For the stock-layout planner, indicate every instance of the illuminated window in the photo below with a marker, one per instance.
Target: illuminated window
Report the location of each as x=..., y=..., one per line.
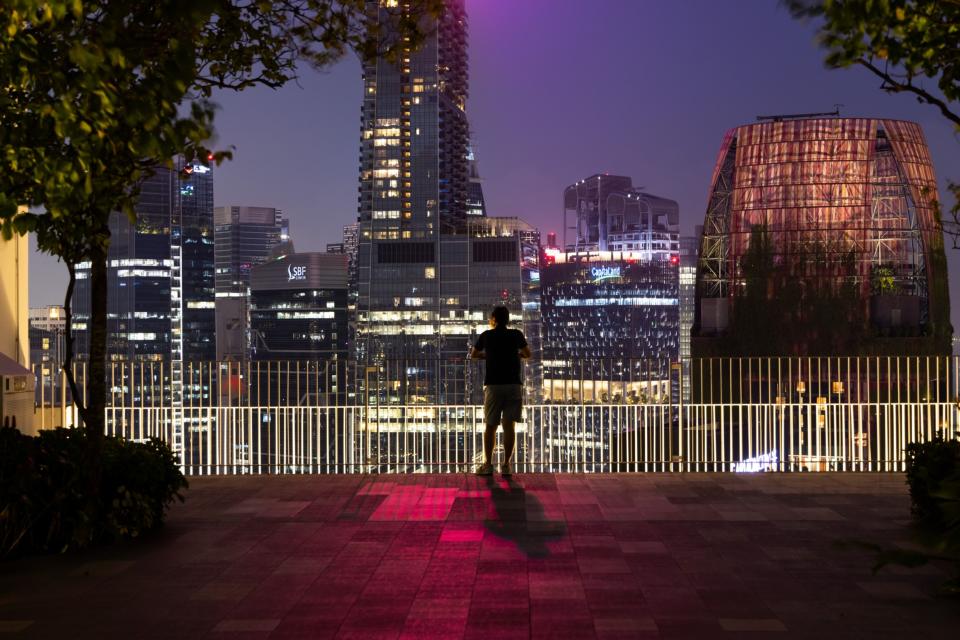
x=430, y=273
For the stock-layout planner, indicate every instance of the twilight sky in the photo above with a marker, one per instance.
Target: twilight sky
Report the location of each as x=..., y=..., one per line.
x=560, y=89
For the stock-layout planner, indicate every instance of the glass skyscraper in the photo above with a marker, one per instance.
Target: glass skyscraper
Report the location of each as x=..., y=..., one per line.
x=245, y=237
x=611, y=300
x=429, y=269
x=160, y=273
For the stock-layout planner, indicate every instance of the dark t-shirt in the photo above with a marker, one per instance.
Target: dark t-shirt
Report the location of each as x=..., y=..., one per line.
x=501, y=346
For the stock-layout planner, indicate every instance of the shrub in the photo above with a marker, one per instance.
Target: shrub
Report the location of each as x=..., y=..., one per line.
x=933, y=468
x=46, y=502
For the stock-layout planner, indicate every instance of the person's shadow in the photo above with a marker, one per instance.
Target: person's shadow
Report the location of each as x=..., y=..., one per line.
x=520, y=518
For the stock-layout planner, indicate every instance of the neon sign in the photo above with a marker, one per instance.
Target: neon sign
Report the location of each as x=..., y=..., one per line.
x=604, y=273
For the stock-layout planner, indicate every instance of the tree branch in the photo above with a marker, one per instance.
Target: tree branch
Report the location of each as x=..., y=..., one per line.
x=893, y=85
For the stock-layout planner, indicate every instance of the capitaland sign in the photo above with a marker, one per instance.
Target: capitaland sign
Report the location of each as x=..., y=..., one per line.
x=604, y=273
x=296, y=272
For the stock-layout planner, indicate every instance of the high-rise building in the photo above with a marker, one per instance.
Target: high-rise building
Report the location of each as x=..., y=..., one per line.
x=428, y=270
x=606, y=213
x=160, y=273
x=414, y=143
x=821, y=237
x=689, y=248
x=49, y=318
x=298, y=307
x=245, y=237
x=298, y=312
x=611, y=302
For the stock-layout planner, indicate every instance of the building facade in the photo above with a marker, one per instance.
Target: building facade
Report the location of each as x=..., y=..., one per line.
x=821, y=237
x=298, y=307
x=244, y=237
x=14, y=272
x=607, y=213
x=609, y=317
x=299, y=325
x=160, y=273
x=430, y=264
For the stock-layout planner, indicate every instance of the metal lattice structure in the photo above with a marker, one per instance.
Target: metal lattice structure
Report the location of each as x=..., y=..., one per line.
x=847, y=205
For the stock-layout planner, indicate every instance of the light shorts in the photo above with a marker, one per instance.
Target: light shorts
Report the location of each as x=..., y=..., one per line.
x=502, y=402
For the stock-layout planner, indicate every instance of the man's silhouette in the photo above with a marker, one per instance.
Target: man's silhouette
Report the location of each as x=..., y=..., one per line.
x=502, y=348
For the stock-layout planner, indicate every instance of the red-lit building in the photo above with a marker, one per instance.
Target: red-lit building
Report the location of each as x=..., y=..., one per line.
x=821, y=238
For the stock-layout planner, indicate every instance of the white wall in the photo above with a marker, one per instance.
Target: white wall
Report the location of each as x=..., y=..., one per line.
x=14, y=299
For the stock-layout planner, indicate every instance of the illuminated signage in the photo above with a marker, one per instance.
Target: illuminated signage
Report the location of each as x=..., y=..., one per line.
x=604, y=273
x=296, y=272
x=197, y=168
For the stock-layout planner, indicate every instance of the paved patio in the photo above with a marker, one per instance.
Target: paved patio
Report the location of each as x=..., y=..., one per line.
x=453, y=556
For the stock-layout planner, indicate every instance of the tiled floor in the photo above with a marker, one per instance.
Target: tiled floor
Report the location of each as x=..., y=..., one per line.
x=453, y=556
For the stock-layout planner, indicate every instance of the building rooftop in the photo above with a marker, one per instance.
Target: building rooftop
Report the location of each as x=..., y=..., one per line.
x=454, y=556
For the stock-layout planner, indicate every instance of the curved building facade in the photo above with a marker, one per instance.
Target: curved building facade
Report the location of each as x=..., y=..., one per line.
x=821, y=237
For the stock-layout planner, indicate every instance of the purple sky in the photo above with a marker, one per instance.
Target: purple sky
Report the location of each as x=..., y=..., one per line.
x=560, y=89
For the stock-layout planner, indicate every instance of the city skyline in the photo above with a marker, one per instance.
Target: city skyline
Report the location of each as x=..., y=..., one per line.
x=296, y=148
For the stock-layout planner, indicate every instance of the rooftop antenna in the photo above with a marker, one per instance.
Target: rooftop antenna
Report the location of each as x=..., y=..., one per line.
x=800, y=116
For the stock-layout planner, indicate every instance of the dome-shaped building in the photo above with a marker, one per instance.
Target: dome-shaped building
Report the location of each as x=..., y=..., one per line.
x=821, y=237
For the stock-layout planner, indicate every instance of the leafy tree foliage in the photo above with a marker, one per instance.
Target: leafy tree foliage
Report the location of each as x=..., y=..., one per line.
x=97, y=95
x=811, y=289
x=908, y=44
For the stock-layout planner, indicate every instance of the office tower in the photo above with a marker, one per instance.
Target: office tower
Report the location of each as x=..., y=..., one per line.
x=298, y=312
x=552, y=240
x=298, y=307
x=160, y=273
x=821, y=237
x=426, y=277
x=245, y=237
x=610, y=303
x=47, y=326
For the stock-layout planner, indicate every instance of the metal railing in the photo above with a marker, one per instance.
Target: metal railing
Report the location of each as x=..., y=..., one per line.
x=749, y=414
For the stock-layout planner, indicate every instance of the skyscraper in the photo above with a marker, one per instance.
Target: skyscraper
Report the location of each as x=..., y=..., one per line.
x=428, y=271
x=611, y=299
x=160, y=270
x=245, y=237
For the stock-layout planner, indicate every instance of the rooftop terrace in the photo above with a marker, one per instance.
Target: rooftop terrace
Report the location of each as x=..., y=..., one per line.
x=455, y=556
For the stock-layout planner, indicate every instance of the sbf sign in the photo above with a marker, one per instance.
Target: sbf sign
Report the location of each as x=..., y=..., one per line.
x=296, y=272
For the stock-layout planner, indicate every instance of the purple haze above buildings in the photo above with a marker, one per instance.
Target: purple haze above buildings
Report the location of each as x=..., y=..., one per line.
x=560, y=89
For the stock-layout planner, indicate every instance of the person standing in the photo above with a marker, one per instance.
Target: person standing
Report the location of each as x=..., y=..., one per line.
x=501, y=348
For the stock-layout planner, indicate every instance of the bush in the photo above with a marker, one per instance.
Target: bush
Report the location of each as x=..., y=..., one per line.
x=57, y=494
x=933, y=470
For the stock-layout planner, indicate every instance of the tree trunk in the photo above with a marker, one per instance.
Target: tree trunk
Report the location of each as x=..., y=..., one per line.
x=97, y=330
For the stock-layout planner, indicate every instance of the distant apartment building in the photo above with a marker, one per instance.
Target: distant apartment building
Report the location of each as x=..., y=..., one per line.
x=244, y=238
x=47, y=345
